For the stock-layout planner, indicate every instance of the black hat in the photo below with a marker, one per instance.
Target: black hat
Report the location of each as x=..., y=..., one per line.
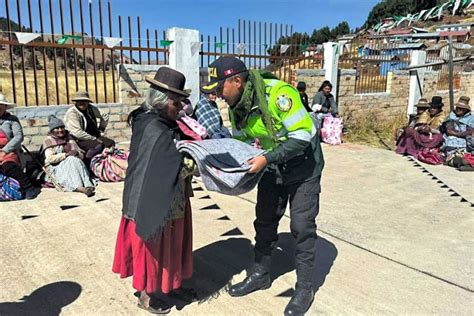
x=221, y=69
x=169, y=79
x=436, y=102
x=301, y=85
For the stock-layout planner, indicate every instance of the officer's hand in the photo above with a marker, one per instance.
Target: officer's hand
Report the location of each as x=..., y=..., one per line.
x=257, y=164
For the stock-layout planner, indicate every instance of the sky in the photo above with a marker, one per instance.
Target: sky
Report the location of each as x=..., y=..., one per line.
x=204, y=15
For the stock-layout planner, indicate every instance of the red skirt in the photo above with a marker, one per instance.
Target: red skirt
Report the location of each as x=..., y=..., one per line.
x=159, y=265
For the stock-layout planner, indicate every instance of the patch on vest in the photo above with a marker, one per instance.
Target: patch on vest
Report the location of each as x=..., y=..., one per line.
x=284, y=103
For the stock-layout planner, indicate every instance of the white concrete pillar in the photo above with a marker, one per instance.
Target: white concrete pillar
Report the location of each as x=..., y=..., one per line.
x=331, y=64
x=184, y=59
x=416, y=80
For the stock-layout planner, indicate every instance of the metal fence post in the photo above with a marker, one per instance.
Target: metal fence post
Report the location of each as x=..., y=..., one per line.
x=331, y=64
x=416, y=80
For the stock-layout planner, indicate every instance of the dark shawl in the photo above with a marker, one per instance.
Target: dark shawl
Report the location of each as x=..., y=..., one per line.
x=152, y=175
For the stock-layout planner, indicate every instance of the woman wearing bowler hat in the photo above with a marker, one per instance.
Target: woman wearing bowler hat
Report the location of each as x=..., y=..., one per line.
x=459, y=128
x=426, y=133
x=154, y=241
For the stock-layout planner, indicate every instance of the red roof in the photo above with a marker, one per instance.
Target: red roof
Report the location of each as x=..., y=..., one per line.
x=454, y=33
x=399, y=31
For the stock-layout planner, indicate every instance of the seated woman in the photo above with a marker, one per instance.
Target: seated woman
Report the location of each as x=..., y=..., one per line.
x=323, y=104
x=63, y=159
x=426, y=133
x=459, y=129
x=11, y=137
x=81, y=122
x=154, y=241
x=421, y=108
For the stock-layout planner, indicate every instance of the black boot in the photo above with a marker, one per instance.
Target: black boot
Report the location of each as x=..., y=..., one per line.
x=258, y=279
x=301, y=300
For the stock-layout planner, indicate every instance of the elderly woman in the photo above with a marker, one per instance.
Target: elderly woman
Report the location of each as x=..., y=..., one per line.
x=459, y=128
x=63, y=158
x=81, y=122
x=154, y=242
x=11, y=137
x=426, y=133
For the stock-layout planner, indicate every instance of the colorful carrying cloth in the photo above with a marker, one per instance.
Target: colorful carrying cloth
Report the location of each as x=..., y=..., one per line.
x=10, y=189
x=111, y=165
x=331, y=132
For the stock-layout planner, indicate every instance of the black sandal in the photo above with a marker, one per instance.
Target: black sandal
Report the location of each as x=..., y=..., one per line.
x=153, y=304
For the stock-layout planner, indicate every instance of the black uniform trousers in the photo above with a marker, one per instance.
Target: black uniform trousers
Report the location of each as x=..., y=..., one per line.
x=272, y=198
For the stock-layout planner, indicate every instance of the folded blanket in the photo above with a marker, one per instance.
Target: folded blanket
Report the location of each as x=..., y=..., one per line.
x=223, y=164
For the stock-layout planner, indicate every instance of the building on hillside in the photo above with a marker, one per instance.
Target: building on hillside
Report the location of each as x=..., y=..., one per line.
x=457, y=36
x=455, y=27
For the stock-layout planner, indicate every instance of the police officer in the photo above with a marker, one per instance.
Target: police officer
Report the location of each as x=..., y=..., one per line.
x=270, y=111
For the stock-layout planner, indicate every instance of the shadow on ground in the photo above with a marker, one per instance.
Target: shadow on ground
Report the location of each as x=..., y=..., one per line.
x=216, y=264
x=47, y=300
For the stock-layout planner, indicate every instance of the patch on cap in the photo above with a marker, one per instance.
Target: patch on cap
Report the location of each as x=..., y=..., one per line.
x=212, y=72
x=284, y=103
x=229, y=72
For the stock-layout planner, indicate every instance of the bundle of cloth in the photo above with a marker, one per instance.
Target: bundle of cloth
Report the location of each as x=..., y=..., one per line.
x=223, y=164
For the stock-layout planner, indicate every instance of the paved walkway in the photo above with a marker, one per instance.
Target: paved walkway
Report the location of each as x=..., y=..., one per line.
x=394, y=238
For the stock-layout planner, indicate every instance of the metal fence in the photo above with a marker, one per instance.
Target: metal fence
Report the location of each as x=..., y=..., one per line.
x=440, y=53
x=259, y=46
x=374, y=60
x=47, y=71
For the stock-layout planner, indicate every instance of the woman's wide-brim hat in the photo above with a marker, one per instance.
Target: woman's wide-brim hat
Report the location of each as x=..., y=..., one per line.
x=4, y=101
x=82, y=96
x=170, y=80
x=423, y=104
x=463, y=103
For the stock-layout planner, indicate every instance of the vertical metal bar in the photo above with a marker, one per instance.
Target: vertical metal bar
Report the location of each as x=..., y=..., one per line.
x=46, y=84
x=109, y=8
x=227, y=39
x=148, y=44
x=270, y=45
x=104, y=73
x=139, y=41
x=450, y=74
x=281, y=58
x=209, y=50
x=83, y=50
x=202, y=51
x=238, y=33
x=220, y=39
x=74, y=49
x=265, y=47
x=167, y=51
x=96, y=88
x=54, y=51
x=233, y=41
x=66, y=80
x=255, y=44
x=215, y=47
x=10, y=48
x=121, y=43
x=245, y=50
x=33, y=56
x=156, y=46
x=250, y=43
x=130, y=38
x=260, y=45
x=25, y=88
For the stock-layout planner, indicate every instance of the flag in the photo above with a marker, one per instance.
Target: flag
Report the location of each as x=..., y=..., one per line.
x=65, y=38
x=166, y=43
x=304, y=47
x=284, y=48
x=111, y=42
x=195, y=46
x=241, y=48
x=24, y=38
x=220, y=45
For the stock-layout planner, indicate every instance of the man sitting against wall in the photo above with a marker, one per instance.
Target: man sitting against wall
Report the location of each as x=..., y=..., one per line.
x=81, y=122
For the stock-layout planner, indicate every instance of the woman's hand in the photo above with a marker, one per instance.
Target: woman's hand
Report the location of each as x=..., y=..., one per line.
x=2, y=154
x=257, y=164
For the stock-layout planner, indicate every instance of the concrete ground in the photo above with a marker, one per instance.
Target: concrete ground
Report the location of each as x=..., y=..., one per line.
x=396, y=237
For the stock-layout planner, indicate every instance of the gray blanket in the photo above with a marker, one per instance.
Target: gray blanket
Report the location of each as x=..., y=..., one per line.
x=223, y=164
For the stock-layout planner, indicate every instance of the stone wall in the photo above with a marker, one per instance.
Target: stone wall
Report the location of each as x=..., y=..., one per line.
x=34, y=121
x=387, y=105
x=132, y=84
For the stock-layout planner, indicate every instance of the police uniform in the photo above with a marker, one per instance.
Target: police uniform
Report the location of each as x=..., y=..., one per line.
x=283, y=127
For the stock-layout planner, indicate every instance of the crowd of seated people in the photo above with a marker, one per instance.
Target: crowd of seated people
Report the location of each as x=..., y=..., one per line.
x=66, y=151
x=435, y=138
